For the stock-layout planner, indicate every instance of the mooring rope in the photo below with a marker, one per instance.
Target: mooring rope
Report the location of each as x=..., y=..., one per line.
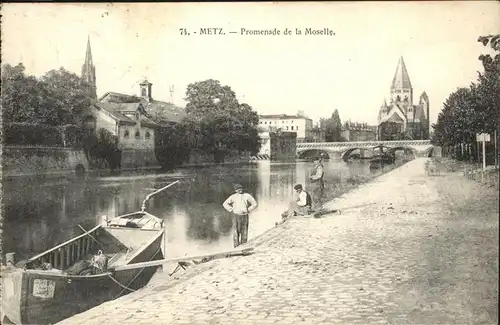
x=126, y=287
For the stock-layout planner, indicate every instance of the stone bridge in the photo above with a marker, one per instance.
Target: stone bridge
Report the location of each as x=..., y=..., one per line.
x=343, y=149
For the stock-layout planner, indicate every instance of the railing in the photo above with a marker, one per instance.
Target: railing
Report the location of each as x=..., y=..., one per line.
x=363, y=144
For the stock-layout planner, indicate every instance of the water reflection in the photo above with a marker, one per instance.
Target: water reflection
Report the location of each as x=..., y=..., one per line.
x=40, y=215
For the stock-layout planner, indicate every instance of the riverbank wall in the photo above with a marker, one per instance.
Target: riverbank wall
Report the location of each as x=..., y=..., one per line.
x=405, y=240
x=37, y=160
x=42, y=161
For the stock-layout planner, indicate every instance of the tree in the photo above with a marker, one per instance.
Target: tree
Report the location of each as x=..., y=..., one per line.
x=102, y=149
x=472, y=110
x=69, y=93
x=22, y=95
x=336, y=126
x=56, y=99
x=332, y=127
x=217, y=120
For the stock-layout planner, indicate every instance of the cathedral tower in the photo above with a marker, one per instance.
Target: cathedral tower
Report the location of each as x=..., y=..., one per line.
x=88, y=71
x=401, y=89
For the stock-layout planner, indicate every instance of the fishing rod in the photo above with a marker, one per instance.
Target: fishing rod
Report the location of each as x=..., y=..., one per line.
x=154, y=193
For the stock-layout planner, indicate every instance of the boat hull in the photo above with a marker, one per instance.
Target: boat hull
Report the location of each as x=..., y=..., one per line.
x=44, y=297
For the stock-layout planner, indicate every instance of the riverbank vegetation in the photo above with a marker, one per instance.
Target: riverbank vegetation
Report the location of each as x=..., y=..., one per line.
x=471, y=110
x=216, y=124
x=46, y=112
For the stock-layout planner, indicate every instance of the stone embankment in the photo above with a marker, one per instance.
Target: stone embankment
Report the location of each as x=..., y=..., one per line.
x=408, y=248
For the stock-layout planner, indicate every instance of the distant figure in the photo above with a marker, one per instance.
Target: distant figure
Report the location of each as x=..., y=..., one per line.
x=240, y=205
x=318, y=174
x=301, y=206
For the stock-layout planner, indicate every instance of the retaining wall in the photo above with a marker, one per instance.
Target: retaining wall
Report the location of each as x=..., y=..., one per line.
x=33, y=160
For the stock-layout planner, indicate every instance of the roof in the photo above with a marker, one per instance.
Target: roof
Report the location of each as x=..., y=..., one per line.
x=169, y=111
x=118, y=110
x=393, y=109
x=401, y=78
x=283, y=117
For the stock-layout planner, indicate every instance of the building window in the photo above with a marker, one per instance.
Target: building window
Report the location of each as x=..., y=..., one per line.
x=287, y=128
x=148, y=135
x=126, y=134
x=137, y=135
x=292, y=128
x=297, y=128
x=143, y=92
x=398, y=98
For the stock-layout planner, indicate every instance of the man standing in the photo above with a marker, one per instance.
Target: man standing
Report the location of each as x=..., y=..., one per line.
x=318, y=173
x=240, y=205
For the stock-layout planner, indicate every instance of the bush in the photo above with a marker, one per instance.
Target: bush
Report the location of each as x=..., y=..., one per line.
x=102, y=149
x=32, y=134
x=74, y=136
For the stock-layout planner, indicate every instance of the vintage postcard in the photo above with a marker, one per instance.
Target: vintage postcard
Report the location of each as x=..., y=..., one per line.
x=250, y=163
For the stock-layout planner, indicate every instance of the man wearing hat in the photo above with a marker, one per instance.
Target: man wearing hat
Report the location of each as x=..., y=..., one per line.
x=301, y=206
x=240, y=204
x=318, y=173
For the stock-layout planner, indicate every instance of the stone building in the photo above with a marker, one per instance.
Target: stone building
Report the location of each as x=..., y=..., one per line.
x=300, y=125
x=353, y=131
x=283, y=146
x=401, y=115
x=277, y=145
x=129, y=118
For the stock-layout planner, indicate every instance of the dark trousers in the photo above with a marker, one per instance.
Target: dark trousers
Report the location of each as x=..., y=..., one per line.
x=321, y=183
x=240, y=229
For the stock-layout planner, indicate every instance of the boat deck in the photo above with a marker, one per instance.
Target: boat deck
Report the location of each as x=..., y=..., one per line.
x=134, y=239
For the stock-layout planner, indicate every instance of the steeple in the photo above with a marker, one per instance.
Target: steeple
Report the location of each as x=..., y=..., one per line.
x=401, y=78
x=88, y=70
x=401, y=90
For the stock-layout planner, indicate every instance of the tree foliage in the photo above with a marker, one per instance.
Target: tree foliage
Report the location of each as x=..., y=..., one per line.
x=55, y=99
x=217, y=121
x=102, y=149
x=474, y=109
x=332, y=127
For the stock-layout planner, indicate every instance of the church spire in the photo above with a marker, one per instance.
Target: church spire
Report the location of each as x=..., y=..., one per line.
x=88, y=70
x=88, y=54
x=401, y=78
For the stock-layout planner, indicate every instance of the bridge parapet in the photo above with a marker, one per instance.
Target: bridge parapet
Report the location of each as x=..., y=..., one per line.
x=363, y=144
x=418, y=146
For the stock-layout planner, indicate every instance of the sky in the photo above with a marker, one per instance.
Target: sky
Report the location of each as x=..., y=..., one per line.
x=350, y=71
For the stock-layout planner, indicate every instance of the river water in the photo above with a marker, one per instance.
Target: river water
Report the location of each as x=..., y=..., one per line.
x=39, y=214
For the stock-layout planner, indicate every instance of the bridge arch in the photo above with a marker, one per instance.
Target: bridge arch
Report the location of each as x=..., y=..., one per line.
x=394, y=149
x=314, y=152
x=345, y=154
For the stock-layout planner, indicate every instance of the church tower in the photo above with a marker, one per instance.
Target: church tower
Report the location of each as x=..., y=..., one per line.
x=401, y=89
x=146, y=90
x=88, y=71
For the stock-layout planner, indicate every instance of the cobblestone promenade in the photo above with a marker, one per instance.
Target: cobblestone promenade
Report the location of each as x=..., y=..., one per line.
x=408, y=249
